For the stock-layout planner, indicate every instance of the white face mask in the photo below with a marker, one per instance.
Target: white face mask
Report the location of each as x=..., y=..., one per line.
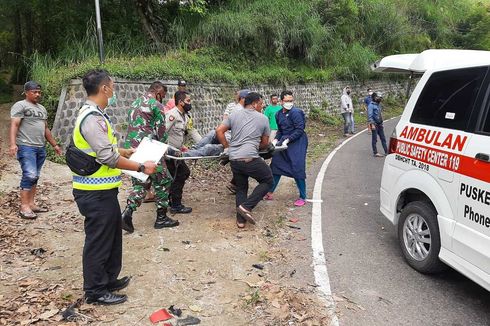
x=288, y=105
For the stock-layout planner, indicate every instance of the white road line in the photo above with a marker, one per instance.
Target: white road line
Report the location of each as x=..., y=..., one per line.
x=319, y=262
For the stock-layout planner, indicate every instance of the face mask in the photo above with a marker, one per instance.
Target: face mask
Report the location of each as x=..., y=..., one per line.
x=288, y=105
x=112, y=100
x=187, y=107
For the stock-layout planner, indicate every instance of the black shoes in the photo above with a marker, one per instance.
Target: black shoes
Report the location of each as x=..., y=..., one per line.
x=127, y=220
x=107, y=299
x=163, y=221
x=119, y=284
x=181, y=209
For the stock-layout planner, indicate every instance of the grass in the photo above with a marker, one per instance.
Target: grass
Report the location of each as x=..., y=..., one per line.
x=254, y=298
x=205, y=66
x=5, y=89
x=5, y=98
x=264, y=256
x=53, y=157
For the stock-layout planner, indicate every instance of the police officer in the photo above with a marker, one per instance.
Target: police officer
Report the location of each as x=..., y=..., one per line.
x=96, y=194
x=176, y=124
x=146, y=119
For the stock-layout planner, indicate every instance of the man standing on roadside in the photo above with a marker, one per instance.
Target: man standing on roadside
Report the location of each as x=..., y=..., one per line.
x=367, y=101
x=347, y=110
x=270, y=113
x=376, y=124
x=96, y=194
x=249, y=133
x=28, y=134
x=176, y=123
x=146, y=120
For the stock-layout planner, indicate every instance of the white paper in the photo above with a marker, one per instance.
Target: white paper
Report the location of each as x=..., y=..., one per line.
x=148, y=150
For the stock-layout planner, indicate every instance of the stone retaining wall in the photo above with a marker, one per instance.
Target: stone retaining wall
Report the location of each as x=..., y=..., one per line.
x=209, y=100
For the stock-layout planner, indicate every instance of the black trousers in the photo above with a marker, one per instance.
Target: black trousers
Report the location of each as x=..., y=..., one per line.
x=256, y=169
x=180, y=172
x=102, y=252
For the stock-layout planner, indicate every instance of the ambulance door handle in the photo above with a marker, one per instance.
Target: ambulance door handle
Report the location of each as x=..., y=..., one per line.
x=483, y=157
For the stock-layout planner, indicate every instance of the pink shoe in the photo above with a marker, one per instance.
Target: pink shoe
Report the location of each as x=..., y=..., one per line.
x=268, y=196
x=299, y=202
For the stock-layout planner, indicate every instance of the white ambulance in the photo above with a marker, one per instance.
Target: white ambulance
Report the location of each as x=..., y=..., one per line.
x=436, y=180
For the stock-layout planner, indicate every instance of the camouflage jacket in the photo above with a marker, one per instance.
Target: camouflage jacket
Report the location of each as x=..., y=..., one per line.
x=146, y=119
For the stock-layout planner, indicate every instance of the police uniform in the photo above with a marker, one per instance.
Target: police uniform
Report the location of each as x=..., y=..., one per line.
x=96, y=197
x=176, y=124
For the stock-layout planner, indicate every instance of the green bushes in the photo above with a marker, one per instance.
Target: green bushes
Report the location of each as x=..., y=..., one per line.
x=267, y=41
x=5, y=92
x=277, y=29
x=320, y=115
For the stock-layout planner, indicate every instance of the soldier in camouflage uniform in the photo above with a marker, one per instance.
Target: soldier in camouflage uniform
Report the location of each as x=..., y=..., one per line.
x=146, y=119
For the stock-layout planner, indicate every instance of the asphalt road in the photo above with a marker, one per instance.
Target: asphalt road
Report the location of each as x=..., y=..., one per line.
x=364, y=261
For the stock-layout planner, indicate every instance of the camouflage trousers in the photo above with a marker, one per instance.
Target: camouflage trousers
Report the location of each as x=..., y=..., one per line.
x=160, y=181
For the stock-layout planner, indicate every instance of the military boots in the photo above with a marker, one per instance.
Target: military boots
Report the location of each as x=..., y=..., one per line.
x=127, y=220
x=163, y=221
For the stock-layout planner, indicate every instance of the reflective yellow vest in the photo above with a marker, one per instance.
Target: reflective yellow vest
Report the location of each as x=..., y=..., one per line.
x=105, y=177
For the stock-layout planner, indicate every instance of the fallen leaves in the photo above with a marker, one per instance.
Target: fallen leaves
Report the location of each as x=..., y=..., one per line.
x=34, y=301
x=289, y=305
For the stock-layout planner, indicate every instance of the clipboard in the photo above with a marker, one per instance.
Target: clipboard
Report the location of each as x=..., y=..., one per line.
x=148, y=150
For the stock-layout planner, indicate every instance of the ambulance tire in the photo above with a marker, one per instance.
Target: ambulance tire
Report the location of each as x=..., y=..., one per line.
x=429, y=264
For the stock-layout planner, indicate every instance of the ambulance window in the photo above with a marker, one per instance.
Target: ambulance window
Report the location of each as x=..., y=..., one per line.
x=486, y=122
x=448, y=98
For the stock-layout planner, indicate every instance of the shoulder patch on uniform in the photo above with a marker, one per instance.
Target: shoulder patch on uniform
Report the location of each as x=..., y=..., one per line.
x=102, y=124
x=171, y=118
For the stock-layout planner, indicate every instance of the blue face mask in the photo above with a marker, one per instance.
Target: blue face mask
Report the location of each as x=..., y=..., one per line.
x=112, y=100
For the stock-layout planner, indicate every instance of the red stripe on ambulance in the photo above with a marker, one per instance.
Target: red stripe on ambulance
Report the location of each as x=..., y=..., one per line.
x=465, y=165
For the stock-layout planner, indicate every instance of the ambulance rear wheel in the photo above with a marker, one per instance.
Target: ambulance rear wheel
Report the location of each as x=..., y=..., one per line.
x=419, y=237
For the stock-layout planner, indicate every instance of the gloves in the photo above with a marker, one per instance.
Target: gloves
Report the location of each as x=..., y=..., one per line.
x=274, y=142
x=285, y=142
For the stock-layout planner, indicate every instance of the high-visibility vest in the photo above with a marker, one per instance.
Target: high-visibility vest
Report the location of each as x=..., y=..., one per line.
x=105, y=178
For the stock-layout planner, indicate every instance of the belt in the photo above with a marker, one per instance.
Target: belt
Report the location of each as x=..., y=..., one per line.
x=246, y=160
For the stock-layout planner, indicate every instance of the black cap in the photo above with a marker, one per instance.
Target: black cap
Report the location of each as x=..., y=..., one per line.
x=181, y=83
x=243, y=93
x=31, y=85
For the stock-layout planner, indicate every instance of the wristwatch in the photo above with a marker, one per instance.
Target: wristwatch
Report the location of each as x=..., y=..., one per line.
x=141, y=168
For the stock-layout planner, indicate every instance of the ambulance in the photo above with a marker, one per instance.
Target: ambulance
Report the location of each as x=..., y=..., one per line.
x=435, y=186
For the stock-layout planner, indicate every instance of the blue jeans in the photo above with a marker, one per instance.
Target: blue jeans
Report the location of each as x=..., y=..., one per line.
x=348, y=122
x=374, y=138
x=31, y=161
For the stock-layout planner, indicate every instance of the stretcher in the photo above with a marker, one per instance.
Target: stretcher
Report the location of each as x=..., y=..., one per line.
x=267, y=153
